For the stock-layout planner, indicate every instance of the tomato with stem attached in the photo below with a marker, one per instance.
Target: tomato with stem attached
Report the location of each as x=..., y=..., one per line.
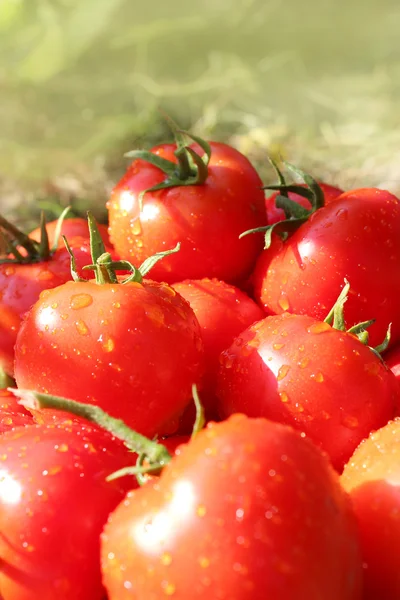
x=248, y=509
x=131, y=346
x=202, y=195
x=28, y=267
x=313, y=375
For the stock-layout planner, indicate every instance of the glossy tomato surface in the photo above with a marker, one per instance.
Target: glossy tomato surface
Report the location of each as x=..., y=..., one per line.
x=206, y=219
x=54, y=500
x=372, y=478
x=356, y=237
x=223, y=311
x=248, y=510
x=300, y=371
x=21, y=285
x=133, y=349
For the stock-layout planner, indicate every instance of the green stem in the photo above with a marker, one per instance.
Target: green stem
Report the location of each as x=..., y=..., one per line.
x=5, y=380
x=155, y=453
x=200, y=414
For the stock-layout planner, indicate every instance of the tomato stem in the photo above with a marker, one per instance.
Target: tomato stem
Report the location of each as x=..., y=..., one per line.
x=155, y=453
x=5, y=380
x=200, y=413
x=295, y=214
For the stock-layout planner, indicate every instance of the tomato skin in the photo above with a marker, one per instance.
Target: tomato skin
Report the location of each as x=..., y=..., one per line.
x=54, y=500
x=392, y=359
x=133, y=349
x=12, y=414
x=372, y=478
x=71, y=228
x=206, y=219
x=302, y=372
x=21, y=285
x=275, y=214
x=356, y=237
x=223, y=311
x=248, y=510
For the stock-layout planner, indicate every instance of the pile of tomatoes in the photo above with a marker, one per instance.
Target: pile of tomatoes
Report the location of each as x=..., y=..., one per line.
x=204, y=395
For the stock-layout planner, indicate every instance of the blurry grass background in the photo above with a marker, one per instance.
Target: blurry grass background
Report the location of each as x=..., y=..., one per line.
x=82, y=81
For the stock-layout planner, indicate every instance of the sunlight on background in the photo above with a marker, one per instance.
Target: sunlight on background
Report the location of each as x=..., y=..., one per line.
x=82, y=81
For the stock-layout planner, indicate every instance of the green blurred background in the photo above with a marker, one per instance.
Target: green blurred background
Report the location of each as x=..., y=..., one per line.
x=82, y=81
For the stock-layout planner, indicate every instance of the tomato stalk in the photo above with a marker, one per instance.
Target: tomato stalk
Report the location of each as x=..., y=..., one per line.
x=155, y=455
x=105, y=267
x=295, y=214
x=190, y=168
x=12, y=241
x=336, y=319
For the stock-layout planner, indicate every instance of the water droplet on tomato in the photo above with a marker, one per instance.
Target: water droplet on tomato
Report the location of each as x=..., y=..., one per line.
x=303, y=363
x=204, y=562
x=136, y=226
x=108, y=345
x=166, y=559
x=319, y=327
x=169, y=588
x=81, y=327
x=278, y=346
x=350, y=421
x=78, y=301
x=284, y=397
x=201, y=510
x=283, y=371
x=284, y=302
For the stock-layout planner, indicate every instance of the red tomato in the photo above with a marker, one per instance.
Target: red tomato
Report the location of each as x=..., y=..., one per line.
x=207, y=219
x=356, y=237
x=21, y=285
x=392, y=359
x=12, y=414
x=223, y=312
x=54, y=501
x=296, y=370
x=134, y=349
x=248, y=510
x=372, y=477
x=275, y=214
x=74, y=227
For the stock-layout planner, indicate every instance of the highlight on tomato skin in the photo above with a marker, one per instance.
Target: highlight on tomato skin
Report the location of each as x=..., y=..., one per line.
x=223, y=312
x=54, y=501
x=297, y=370
x=206, y=218
x=249, y=509
x=355, y=237
x=372, y=478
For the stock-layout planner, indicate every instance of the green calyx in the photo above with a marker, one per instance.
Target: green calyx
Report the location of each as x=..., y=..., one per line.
x=104, y=267
x=18, y=248
x=152, y=456
x=335, y=318
x=190, y=168
x=295, y=215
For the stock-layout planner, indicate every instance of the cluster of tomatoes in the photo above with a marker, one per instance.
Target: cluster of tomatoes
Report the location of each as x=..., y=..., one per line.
x=279, y=315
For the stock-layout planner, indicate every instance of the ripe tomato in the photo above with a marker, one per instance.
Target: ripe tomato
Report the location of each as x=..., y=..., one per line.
x=275, y=214
x=12, y=414
x=206, y=218
x=296, y=370
x=21, y=285
x=135, y=349
x=392, y=359
x=372, y=477
x=74, y=227
x=248, y=510
x=223, y=311
x=54, y=501
x=356, y=237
